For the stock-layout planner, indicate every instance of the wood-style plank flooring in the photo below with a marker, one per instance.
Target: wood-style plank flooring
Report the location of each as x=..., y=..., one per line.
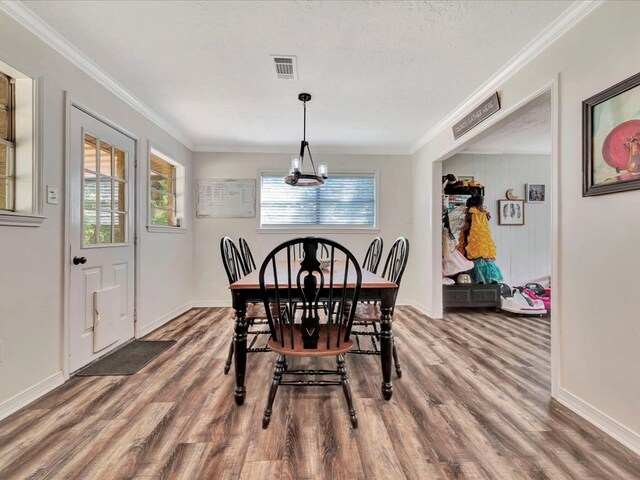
x=473, y=403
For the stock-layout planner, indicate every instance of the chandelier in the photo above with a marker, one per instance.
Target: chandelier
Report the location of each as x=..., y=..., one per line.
x=296, y=177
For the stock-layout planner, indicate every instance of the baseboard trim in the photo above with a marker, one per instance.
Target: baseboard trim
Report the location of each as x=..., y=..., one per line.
x=604, y=422
x=421, y=308
x=150, y=327
x=31, y=394
x=210, y=304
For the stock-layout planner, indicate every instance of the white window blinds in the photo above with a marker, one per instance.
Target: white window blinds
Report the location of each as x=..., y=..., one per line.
x=342, y=200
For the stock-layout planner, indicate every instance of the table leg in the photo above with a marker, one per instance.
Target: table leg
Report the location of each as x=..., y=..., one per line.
x=240, y=354
x=386, y=350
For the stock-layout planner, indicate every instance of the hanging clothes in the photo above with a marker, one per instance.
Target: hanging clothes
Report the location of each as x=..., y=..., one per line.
x=475, y=237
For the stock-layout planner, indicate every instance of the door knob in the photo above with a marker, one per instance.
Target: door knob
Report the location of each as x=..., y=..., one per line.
x=79, y=260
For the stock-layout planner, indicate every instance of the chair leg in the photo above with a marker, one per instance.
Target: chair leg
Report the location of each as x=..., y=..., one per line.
x=396, y=362
x=277, y=377
x=227, y=365
x=285, y=365
x=346, y=388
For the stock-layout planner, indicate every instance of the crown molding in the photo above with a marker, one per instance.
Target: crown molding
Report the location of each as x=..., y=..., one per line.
x=28, y=19
x=567, y=20
x=292, y=149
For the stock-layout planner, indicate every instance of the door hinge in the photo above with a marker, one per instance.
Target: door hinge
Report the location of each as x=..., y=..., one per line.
x=135, y=239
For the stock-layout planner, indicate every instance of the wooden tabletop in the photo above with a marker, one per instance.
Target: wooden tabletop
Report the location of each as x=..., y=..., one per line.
x=369, y=280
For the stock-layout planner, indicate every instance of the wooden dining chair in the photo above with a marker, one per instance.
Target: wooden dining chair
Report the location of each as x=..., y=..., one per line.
x=373, y=255
x=305, y=285
x=247, y=256
x=367, y=315
x=256, y=316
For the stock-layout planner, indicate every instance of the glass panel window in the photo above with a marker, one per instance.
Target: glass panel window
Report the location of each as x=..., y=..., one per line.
x=105, y=227
x=90, y=146
x=105, y=159
x=162, y=192
x=343, y=200
x=119, y=163
x=89, y=226
x=7, y=145
x=104, y=194
x=89, y=194
x=119, y=223
x=119, y=196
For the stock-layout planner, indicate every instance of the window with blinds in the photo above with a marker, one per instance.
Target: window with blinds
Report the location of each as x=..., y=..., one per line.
x=343, y=200
x=162, y=188
x=7, y=145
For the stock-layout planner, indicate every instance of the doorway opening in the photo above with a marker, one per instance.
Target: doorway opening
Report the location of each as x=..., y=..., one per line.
x=497, y=233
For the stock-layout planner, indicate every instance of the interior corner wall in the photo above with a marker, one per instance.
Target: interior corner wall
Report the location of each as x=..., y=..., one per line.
x=598, y=262
x=524, y=252
x=394, y=215
x=31, y=276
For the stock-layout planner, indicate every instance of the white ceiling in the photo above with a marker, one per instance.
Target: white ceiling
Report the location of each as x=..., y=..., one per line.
x=381, y=74
x=527, y=131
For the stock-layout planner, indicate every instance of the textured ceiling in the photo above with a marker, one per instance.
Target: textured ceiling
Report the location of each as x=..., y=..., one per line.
x=381, y=73
x=525, y=131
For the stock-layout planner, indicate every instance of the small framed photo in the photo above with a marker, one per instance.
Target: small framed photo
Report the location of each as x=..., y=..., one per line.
x=510, y=212
x=465, y=178
x=535, y=193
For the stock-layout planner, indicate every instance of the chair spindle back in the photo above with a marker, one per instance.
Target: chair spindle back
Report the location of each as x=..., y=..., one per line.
x=247, y=256
x=306, y=288
x=232, y=260
x=373, y=255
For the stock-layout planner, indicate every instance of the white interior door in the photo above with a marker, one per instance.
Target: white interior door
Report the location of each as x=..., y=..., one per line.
x=101, y=226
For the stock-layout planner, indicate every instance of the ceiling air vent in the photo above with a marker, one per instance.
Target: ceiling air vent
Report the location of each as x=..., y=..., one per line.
x=286, y=67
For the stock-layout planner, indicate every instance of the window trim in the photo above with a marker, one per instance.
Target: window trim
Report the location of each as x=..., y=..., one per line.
x=329, y=228
x=180, y=193
x=28, y=199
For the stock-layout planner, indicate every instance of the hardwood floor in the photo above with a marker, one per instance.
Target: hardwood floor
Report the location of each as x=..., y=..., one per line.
x=473, y=403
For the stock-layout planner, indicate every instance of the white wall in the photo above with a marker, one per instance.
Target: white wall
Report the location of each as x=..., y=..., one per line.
x=31, y=259
x=598, y=322
x=394, y=214
x=524, y=252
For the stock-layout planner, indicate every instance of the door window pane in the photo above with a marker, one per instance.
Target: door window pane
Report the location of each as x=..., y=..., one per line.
x=105, y=227
x=103, y=196
x=105, y=158
x=119, y=227
x=119, y=163
x=4, y=90
x=90, y=153
x=89, y=194
x=105, y=193
x=89, y=227
x=119, y=193
x=4, y=123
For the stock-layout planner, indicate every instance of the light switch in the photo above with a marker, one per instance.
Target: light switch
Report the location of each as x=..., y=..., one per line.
x=52, y=195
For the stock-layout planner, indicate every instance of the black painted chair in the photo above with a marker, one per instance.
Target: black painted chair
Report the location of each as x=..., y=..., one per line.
x=247, y=256
x=373, y=255
x=298, y=251
x=306, y=286
x=256, y=316
x=367, y=315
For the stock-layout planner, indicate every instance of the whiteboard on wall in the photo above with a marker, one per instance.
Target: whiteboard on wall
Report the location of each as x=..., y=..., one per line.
x=226, y=197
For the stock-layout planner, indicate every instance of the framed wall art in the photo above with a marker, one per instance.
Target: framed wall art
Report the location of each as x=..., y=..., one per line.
x=510, y=212
x=611, y=139
x=535, y=193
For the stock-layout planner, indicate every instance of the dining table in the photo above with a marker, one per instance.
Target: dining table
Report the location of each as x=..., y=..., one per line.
x=374, y=288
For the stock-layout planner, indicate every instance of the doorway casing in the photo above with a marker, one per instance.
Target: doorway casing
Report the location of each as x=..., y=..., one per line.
x=436, y=221
x=71, y=103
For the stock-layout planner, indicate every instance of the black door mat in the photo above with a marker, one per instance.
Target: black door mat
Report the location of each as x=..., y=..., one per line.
x=128, y=359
